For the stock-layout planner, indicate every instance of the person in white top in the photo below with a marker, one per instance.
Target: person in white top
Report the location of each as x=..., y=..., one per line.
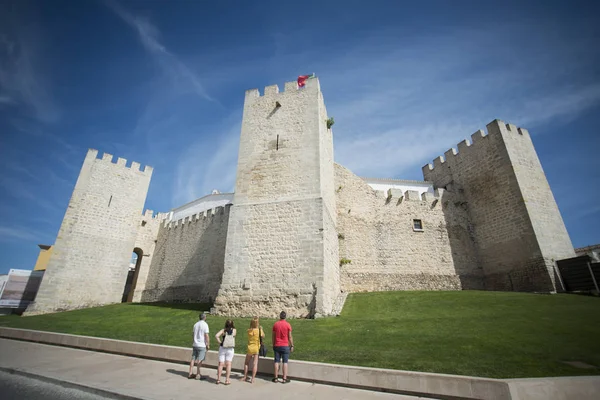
x=226, y=337
x=201, y=344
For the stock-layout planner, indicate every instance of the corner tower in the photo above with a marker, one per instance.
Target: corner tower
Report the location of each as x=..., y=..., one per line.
x=282, y=247
x=89, y=264
x=517, y=226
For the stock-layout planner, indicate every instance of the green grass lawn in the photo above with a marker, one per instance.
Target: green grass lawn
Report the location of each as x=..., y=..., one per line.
x=492, y=334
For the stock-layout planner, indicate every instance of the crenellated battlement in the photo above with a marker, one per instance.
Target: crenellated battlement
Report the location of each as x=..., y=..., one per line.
x=273, y=91
x=211, y=212
x=92, y=155
x=149, y=215
x=413, y=195
x=496, y=127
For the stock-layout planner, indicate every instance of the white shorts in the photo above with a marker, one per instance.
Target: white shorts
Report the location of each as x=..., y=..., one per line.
x=225, y=354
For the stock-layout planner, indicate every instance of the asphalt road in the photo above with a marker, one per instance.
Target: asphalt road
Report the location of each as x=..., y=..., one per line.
x=18, y=387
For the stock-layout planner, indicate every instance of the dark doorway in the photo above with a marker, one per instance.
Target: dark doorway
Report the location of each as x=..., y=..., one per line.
x=132, y=275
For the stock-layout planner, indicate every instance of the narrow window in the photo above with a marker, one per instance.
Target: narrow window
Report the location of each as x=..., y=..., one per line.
x=417, y=225
x=109, y=201
x=277, y=148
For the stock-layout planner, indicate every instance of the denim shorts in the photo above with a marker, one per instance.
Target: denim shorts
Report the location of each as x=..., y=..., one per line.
x=198, y=353
x=282, y=353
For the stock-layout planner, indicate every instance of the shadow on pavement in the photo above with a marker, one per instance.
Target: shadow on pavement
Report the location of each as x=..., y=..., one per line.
x=176, y=372
x=205, y=377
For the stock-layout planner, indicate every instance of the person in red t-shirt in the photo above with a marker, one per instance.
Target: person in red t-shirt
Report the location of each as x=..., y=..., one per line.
x=283, y=344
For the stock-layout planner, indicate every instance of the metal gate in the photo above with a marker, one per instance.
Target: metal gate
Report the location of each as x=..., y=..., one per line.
x=579, y=273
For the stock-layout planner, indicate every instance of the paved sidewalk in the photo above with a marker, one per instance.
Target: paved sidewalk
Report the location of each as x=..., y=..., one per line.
x=19, y=387
x=147, y=379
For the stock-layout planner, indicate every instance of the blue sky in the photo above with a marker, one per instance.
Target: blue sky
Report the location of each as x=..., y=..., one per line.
x=162, y=83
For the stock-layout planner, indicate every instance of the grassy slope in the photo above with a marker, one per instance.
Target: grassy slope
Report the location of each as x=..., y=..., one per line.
x=490, y=334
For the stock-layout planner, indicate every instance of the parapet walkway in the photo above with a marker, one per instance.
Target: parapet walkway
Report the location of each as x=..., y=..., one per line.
x=136, y=378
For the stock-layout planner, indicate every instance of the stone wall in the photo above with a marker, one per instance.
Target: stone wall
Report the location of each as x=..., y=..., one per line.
x=330, y=288
x=145, y=244
x=279, y=155
x=502, y=182
x=93, y=248
x=274, y=255
x=545, y=217
x=281, y=249
x=187, y=264
x=376, y=236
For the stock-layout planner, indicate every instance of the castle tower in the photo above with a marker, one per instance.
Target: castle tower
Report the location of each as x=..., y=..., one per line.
x=89, y=264
x=518, y=230
x=282, y=247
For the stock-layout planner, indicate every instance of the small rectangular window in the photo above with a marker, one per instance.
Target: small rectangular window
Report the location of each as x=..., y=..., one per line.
x=417, y=225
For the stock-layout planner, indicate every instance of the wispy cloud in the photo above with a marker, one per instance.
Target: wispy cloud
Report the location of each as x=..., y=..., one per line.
x=40, y=176
x=21, y=170
x=36, y=131
x=206, y=166
x=20, y=190
x=172, y=66
x=22, y=81
x=170, y=124
x=565, y=104
x=400, y=106
x=397, y=103
x=587, y=211
x=11, y=233
x=5, y=99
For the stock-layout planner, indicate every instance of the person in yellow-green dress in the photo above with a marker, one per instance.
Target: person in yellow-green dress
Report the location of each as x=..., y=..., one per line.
x=254, y=334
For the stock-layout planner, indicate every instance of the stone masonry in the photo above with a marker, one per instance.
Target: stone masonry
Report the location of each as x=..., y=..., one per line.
x=187, y=264
x=303, y=232
x=281, y=250
x=145, y=245
x=518, y=230
x=382, y=249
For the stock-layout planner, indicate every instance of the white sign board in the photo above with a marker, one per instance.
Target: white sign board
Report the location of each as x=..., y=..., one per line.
x=20, y=288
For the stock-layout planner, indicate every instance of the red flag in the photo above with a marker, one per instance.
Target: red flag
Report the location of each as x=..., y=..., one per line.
x=303, y=78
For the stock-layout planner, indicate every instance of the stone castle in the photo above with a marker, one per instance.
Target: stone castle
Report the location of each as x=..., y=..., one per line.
x=300, y=232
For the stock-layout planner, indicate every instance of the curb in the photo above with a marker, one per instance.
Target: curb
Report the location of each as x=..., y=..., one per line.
x=71, y=385
x=414, y=383
x=422, y=384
